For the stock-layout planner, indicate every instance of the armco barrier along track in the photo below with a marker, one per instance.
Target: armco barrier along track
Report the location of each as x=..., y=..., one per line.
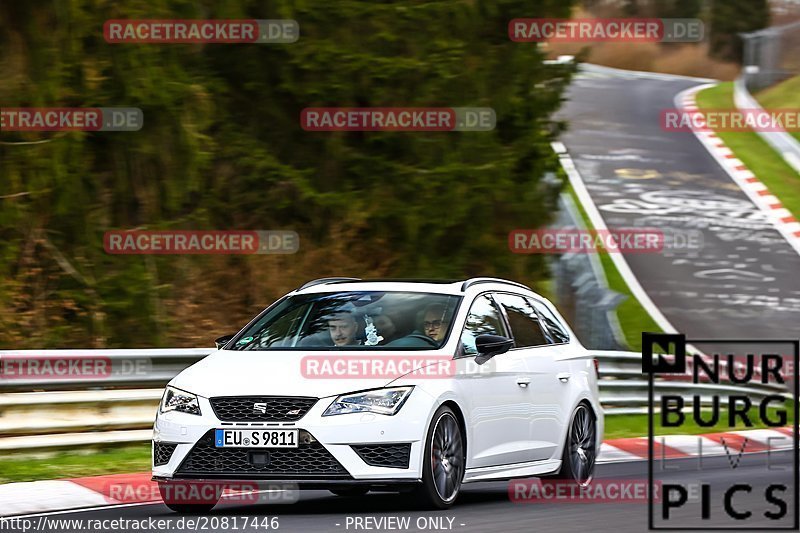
x=39, y=412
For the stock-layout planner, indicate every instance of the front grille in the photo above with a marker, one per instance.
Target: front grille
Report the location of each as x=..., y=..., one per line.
x=162, y=451
x=388, y=455
x=277, y=408
x=309, y=460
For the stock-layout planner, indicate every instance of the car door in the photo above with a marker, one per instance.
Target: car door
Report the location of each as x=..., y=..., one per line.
x=564, y=368
x=497, y=395
x=532, y=343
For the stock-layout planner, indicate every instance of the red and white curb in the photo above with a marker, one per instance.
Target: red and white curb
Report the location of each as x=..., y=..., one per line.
x=137, y=489
x=60, y=494
x=759, y=194
x=94, y=492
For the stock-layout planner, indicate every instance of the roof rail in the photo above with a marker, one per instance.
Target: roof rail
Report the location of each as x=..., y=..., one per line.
x=474, y=281
x=322, y=281
x=411, y=280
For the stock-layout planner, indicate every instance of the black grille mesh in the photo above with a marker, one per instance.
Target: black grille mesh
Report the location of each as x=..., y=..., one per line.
x=310, y=459
x=162, y=451
x=278, y=408
x=388, y=455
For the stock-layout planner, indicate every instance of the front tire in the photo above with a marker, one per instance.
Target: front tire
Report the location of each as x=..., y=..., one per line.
x=580, y=448
x=444, y=461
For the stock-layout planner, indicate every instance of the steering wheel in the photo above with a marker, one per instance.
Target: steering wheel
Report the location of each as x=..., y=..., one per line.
x=425, y=338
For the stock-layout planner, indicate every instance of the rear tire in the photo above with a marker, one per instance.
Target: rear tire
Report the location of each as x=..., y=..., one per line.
x=443, y=462
x=580, y=448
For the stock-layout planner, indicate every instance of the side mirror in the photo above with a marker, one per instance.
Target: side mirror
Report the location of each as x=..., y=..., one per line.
x=222, y=341
x=490, y=345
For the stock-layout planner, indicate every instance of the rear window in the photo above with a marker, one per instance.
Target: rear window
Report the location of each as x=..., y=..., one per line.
x=551, y=323
x=523, y=320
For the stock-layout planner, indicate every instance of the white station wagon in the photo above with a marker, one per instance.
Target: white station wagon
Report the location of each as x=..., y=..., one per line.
x=415, y=386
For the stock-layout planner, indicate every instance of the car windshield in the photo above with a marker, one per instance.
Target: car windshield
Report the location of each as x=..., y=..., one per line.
x=353, y=320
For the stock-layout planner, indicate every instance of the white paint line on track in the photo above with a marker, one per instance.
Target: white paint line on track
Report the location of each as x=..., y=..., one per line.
x=618, y=259
x=641, y=74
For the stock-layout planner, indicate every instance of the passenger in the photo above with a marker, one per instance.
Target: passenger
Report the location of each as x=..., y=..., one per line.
x=386, y=328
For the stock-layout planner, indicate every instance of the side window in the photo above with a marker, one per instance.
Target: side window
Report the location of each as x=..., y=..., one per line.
x=523, y=320
x=554, y=327
x=483, y=318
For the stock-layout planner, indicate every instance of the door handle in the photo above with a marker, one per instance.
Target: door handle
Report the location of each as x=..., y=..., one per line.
x=563, y=377
x=523, y=382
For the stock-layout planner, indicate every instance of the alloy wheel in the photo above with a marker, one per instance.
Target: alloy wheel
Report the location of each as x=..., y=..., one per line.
x=447, y=456
x=582, y=446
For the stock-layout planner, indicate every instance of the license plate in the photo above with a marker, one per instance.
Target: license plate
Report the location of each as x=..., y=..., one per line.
x=255, y=438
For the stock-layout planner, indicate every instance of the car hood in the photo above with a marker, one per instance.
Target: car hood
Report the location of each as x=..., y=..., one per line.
x=272, y=373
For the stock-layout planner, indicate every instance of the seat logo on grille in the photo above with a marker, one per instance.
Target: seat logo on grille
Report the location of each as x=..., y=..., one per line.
x=260, y=407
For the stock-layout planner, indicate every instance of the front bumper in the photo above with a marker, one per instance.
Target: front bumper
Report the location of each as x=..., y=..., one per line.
x=333, y=438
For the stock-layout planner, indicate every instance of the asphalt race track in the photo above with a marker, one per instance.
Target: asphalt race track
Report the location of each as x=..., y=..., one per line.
x=487, y=506
x=743, y=282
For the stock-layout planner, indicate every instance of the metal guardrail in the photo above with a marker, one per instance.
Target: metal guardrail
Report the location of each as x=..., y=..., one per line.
x=781, y=141
x=582, y=290
x=109, y=368
x=624, y=388
x=770, y=55
x=120, y=406
x=43, y=405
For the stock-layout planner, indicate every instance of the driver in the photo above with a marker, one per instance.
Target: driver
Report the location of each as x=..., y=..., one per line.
x=434, y=322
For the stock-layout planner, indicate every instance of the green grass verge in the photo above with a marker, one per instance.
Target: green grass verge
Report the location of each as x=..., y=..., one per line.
x=785, y=95
x=760, y=157
x=622, y=426
x=127, y=458
x=633, y=318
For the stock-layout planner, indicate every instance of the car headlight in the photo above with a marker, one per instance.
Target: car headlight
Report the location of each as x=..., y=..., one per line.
x=381, y=401
x=178, y=400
